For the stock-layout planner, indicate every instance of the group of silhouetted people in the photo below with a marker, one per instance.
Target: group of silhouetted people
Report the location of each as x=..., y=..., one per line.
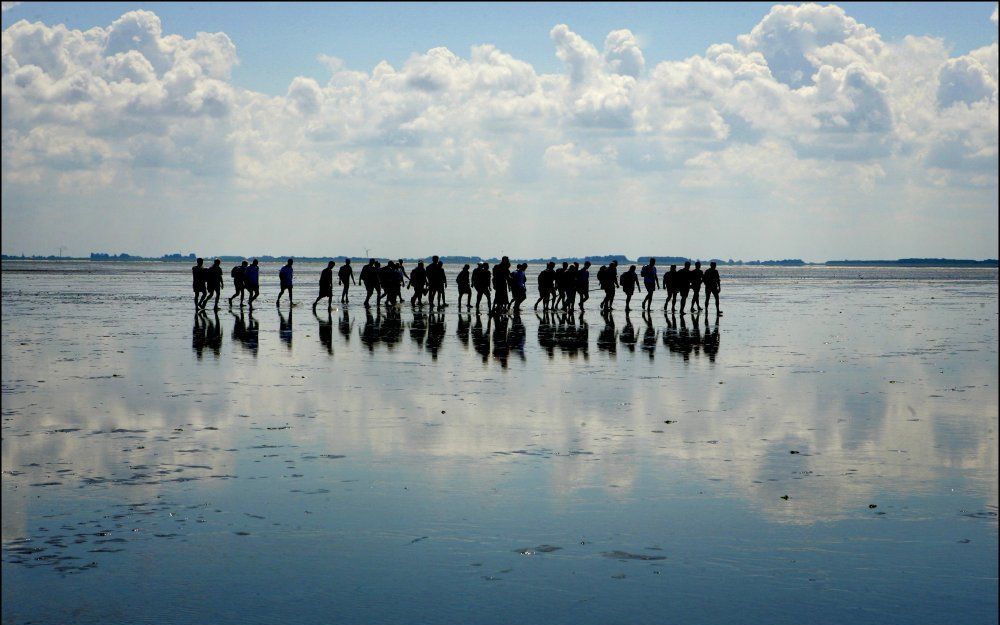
x=559, y=288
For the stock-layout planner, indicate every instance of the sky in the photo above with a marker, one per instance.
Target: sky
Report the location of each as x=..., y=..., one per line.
x=750, y=130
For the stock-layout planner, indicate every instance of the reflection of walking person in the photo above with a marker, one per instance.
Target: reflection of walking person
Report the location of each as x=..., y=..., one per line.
x=285, y=277
x=285, y=327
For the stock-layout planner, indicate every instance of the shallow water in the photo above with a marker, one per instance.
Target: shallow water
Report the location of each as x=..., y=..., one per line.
x=825, y=452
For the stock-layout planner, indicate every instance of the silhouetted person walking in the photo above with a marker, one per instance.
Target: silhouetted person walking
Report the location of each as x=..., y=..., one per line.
x=501, y=284
x=519, y=286
x=213, y=283
x=560, y=284
x=251, y=281
x=670, y=284
x=546, y=285
x=418, y=278
x=583, y=283
x=481, y=282
x=696, y=279
x=608, y=280
x=285, y=278
x=684, y=283
x=629, y=281
x=650, y=281
x=325, y=287
x=369, y=277
x=569, y=288
x=435, y=280
x=464, y=287
x=238, y=272
x=345, y=276
x=199, y=278
x=712, y=287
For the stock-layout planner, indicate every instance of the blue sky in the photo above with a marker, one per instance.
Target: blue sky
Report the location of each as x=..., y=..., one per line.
x=362, y=34
x=812, y=131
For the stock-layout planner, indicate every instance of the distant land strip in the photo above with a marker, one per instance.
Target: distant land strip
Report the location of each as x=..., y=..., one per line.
x=598, y=260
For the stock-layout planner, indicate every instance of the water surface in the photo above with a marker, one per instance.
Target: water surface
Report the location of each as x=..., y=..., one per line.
x=825, y=452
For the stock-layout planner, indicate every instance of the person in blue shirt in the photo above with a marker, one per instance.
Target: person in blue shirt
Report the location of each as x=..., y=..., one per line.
x=285, y=277
x=519, y=282
x=650, y=281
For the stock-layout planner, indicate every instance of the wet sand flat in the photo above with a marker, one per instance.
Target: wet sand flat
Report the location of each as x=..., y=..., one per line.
x=825, y=452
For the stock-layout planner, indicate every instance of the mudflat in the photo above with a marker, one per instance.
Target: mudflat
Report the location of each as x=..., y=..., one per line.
x=824, y=452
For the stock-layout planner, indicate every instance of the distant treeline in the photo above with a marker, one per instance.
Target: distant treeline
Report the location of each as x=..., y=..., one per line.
x=914, y=262
x=596, y=260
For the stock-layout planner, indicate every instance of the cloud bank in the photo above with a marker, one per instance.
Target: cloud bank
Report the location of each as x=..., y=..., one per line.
x=809, y=98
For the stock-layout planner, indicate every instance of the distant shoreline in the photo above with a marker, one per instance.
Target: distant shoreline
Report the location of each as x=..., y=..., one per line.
x=622, y=260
